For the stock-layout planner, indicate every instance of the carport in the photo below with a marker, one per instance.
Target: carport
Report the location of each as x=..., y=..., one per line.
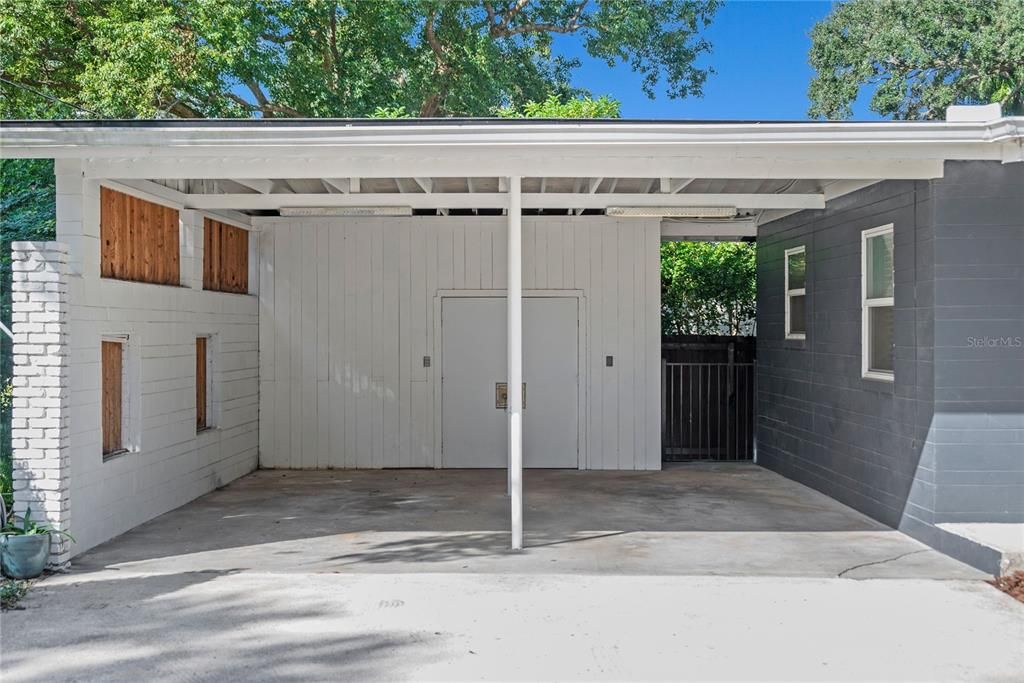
x=333, y=295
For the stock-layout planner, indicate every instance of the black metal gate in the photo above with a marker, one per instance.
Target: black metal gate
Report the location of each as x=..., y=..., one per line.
x=707, y=410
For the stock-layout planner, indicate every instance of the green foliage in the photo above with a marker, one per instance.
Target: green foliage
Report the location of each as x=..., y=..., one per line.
x=11, y=592
x=708, y=287
x=319, y=58
x=554, y=107
x=30, y=527
x=921, y=56
x=399, y=112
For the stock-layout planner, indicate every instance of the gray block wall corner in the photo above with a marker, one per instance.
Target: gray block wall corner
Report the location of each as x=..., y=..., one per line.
x=944, y=442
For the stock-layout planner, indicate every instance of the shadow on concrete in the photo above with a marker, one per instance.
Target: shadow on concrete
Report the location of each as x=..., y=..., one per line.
x=187, y=626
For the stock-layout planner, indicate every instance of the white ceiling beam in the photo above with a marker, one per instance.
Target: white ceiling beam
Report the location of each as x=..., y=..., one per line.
x=261, y=186
x=679, y=231
x=594, y=184
x=343, y=185
x=679, y=184
x=150, y=191
x=831, y=190
x=484, y=200
x=426, y=184
x=838, y=188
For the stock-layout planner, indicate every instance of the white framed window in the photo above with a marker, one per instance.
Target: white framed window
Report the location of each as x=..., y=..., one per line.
x=877, y=284
x=796, y=293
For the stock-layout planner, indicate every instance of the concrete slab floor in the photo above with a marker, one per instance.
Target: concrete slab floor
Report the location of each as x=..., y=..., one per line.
x=694, y=573
x=728, y=519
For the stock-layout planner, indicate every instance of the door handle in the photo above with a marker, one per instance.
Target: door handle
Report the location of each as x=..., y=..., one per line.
x=501, y=395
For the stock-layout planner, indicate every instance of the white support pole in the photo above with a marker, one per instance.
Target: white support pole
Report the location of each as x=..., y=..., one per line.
x=515, y=358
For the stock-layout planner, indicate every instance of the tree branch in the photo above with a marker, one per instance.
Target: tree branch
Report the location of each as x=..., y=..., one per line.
x=502, y=30
x=432, y=104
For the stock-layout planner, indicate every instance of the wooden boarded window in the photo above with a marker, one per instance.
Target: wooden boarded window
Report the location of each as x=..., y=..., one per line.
x=202, y=411
x=225, y=258
x=112, y=371
x=139, y=239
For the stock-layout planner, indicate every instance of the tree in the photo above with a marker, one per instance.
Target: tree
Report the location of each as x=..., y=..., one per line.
x=319, y=58
x=921, y=56
x=708, y=287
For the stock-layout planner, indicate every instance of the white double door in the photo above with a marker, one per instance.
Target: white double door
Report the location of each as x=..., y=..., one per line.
x=474, y=361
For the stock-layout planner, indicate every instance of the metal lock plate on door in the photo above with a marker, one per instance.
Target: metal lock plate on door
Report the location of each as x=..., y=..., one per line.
x=501, y=395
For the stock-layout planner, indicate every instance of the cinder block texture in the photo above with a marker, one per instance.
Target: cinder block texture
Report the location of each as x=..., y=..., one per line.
x=944, y=442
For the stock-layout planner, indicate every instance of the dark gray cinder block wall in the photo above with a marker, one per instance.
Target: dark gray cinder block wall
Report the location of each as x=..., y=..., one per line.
x=944, y=442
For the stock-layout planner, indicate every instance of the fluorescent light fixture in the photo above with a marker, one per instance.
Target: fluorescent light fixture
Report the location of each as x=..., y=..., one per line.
x=316, y=211
x=671, y=211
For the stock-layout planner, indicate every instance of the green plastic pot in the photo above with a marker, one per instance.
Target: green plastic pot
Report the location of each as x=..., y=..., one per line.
x=24, y=557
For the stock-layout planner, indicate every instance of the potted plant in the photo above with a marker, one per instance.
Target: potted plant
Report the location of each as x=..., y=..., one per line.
x=24, y=548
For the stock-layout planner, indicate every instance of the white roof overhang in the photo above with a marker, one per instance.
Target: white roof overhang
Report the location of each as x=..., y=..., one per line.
x=581, y=165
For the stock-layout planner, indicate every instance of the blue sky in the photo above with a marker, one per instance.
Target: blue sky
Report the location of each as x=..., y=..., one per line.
x=760, y=59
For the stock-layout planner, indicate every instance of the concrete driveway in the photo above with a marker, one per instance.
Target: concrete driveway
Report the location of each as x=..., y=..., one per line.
x=695, y=573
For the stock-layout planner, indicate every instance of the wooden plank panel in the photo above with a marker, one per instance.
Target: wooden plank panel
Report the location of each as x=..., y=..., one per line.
x=459, y=254
x=294, y=334
x=364, y=353
x=352, y=262
x=405, y=350
x=138, y=239
x=335, y=340
x=555, y=274
x=111, y=370
x=282, y=347
x=225, y=257
x=472, y=256
x=267, y=350
x=307, y=339
x=390, y=342
x=325, y=303
x=651, y=337
x=627, y=331
x=377, y=342
x=486, y=255
x=201, y=417
x=595, y=295
x=425, y=399
x=609, y=323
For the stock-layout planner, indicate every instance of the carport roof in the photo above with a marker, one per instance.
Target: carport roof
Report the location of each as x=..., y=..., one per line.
x=761, y=169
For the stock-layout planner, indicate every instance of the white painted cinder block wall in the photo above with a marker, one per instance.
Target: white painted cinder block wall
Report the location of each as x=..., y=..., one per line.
x=347, y=312
x=169, y=464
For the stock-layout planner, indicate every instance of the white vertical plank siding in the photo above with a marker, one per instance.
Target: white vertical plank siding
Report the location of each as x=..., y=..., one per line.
x=348, y=312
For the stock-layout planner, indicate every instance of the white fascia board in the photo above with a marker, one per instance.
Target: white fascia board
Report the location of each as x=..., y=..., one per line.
x=480, y=165
x=497, y=200
x=332, y=134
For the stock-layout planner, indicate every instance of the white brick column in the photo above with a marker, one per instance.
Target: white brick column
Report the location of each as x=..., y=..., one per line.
x=39, y=429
